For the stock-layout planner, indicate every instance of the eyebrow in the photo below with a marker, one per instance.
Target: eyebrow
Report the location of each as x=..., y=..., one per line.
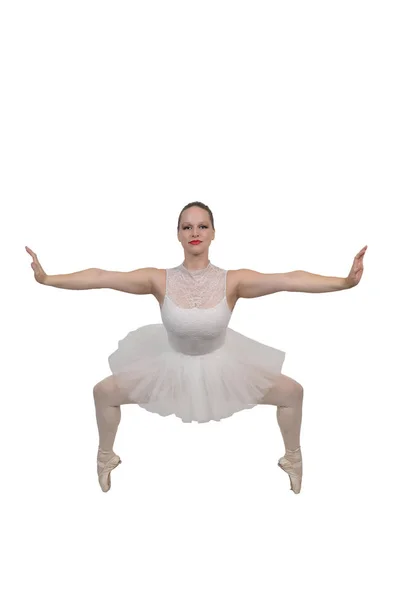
x=188, y=223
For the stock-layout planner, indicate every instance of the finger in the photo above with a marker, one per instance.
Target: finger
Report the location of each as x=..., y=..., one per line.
x=33, y=255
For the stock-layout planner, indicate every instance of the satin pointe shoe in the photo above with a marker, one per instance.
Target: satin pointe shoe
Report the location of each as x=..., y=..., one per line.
x=104, y=471
x=293, y=467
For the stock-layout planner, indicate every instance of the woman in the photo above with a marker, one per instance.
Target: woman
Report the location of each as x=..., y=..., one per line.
x=193, y=365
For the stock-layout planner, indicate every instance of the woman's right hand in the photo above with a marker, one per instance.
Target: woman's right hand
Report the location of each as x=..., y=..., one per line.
x=40, y=274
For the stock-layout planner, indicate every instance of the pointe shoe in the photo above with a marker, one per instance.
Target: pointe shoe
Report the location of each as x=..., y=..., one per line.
x=294, y=469
x=104, y=471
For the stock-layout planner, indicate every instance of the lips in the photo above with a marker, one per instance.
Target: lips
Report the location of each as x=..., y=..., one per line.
x=195, y=243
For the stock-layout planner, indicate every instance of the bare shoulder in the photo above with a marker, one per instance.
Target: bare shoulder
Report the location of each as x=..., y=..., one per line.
x=233, y=278
x=232, y=287
x=253, y=284
x=138, y=281
x=159, y=284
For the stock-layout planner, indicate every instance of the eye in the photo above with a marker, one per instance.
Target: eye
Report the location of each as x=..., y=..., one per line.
x=187, y=226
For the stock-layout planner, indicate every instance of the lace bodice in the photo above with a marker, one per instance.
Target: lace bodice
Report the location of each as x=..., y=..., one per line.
x=195, y=311
x=203, y=288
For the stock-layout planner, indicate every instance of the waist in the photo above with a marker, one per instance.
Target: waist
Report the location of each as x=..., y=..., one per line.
x=195, y=346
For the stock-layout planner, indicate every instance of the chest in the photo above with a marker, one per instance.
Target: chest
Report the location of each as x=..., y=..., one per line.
x=160, y=288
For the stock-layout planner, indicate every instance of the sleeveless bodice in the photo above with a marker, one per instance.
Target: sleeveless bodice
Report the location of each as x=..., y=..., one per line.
x=195, y=311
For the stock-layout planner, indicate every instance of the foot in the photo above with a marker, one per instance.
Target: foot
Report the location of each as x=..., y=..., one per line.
x=104, y=467
x=292, y=464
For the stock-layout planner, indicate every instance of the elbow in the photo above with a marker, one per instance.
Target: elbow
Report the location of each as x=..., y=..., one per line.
x=292, y=281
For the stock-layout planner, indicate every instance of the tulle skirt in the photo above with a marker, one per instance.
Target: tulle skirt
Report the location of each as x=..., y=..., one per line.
x=202, y=388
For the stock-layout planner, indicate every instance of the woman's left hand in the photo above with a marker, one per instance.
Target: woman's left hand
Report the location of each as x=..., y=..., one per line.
x=355, y=274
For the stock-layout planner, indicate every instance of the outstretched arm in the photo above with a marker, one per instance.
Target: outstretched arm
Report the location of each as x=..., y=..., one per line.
x=309, y=282
x=252, y=284
x=139, y=281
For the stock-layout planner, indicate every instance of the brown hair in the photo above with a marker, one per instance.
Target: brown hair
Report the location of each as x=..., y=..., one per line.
x=201, y=205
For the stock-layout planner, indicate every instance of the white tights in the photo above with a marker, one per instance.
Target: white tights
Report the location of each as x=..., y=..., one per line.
x=287, y=395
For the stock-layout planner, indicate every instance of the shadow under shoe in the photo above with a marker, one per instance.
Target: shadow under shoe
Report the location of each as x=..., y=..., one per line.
x=293, y=467
x=104, y=471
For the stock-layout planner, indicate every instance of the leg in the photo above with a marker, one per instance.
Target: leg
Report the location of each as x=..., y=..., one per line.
x=287, y=395
x=107, y=398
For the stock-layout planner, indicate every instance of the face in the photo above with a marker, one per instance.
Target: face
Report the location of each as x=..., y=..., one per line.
x=195, y=224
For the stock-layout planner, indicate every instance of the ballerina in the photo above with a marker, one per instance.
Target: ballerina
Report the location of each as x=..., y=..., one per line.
x=193, y=365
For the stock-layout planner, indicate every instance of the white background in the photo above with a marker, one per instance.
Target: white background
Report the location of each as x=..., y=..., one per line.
x=282, y=118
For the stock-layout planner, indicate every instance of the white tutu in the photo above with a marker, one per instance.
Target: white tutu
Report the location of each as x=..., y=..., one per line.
x=194, y=387
x=193, y=365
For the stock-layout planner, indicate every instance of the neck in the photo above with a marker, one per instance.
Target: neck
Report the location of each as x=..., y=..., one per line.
x=196, y=266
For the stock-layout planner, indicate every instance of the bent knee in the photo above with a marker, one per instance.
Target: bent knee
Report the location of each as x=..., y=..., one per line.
x=290, y=386
x=109, y=393
x=106, y=386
